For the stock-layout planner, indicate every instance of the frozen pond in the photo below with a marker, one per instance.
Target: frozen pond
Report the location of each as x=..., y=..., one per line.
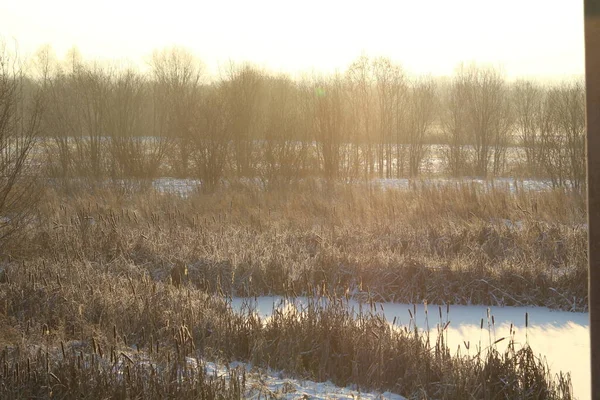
x=561, y=337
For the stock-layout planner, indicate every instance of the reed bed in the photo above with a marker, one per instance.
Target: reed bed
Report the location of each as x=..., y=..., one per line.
x=85, y=329
x=123, y=294
x=457, y=244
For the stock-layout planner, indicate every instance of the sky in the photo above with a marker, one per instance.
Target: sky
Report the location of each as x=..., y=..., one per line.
x=525, y=38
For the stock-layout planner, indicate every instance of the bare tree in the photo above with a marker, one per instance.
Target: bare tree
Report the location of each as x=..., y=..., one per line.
x=177, y=79
x=283, y=148
x=212, y=136
x=308, y=91
x=58, y=121
x=135, y=151
x=563, y=134
x=391, y=96
x=89, y=135
x=330, y=123
x=361, y=99
x=455, y=122
x=419, y=119
x=487, y=113
x=478, y=113
x=243, y=85
x=21, y=108
x=75, y=120
x=572, y=123
x=527, y=103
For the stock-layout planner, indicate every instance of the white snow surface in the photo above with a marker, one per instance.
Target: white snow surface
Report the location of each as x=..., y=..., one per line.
x=262, y=383
x=185, y=187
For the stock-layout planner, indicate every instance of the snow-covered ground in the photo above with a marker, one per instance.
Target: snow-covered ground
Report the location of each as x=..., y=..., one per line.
x=271, y=384
x=184, y=187
x=261, y=383
x=561, y=337
x=512, y=184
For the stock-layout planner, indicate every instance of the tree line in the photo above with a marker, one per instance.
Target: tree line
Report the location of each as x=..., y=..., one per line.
x=90, y=120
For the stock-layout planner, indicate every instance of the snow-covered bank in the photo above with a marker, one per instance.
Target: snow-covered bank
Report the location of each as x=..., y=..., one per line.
x=270, y=384
x=561, y=337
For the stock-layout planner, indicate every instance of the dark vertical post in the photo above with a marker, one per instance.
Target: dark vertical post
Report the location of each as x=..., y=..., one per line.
x=592, y=79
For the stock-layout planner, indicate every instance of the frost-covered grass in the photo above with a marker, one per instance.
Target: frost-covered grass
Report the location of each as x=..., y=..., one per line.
x=75, y=325
x=103, y=271
x=457, y=244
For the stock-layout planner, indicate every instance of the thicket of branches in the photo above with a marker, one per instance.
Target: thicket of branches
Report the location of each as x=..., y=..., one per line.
x=21, y=107
x=373, y=120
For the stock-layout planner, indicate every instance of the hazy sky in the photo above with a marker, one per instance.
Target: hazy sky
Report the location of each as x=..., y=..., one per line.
x=526, y=37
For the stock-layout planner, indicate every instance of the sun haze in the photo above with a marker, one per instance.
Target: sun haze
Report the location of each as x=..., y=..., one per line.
x=536, y=38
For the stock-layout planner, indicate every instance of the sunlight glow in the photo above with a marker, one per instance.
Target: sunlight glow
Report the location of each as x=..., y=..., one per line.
x=534, y=38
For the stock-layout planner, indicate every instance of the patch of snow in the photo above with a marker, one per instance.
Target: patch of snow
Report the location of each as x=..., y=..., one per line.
x=267, y=383
x=182, y=187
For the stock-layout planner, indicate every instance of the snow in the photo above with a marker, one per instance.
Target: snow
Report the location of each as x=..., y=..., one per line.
x=272, y=384
x=185, y=187
x=260, y=382
x=182, y=187
x=514, y=185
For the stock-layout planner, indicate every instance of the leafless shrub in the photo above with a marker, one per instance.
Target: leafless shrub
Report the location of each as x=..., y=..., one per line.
x=212, y=137
x=478, y=116
x=21, y=108
x=177, y=79
x=284, y=149
x=419, y=118
x=134, y=152
x=242, y=86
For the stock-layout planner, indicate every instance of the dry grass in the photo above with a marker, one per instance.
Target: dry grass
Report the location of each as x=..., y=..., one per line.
x=84, y=330
x=113, y=294
x=458, y=245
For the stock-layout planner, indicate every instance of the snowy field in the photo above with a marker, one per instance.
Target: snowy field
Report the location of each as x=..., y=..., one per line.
x=561, y=337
